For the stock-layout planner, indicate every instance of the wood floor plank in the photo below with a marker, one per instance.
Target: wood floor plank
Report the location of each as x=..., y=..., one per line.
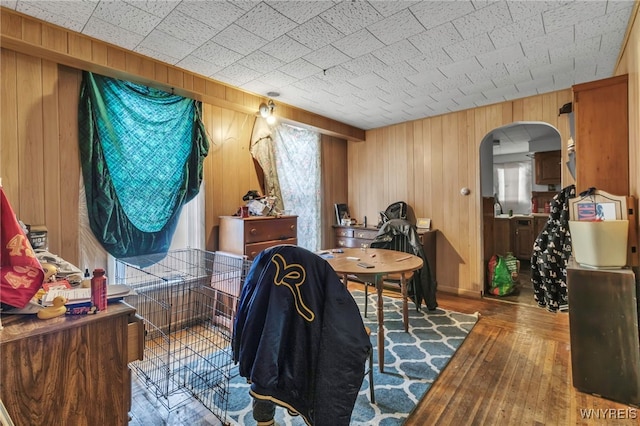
x=514, y=368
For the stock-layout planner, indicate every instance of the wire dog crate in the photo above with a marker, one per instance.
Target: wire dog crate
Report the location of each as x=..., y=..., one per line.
x=187, y=300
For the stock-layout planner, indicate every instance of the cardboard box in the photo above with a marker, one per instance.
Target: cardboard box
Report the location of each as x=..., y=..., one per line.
x=600, y=244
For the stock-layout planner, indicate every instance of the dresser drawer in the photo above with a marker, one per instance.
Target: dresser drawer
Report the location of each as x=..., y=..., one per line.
x=272, y=229
x=366, y=234
x=135, y=339
x=252, y=250
x=344, y=232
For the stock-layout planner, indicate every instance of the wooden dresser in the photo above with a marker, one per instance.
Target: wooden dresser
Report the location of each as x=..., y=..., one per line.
x=70, y=370
x=355, y=236
x=251, y=235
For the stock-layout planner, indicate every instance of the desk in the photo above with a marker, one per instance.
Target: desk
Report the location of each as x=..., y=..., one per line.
x=385, y=262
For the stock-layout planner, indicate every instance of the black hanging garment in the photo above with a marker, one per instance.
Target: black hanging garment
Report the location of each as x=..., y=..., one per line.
x=551, y=253
x=400, y=234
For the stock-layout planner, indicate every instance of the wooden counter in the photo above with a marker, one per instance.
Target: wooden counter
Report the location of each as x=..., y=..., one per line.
x=70, y=369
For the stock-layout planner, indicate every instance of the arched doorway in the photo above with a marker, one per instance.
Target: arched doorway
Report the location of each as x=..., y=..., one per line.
x=508, y=171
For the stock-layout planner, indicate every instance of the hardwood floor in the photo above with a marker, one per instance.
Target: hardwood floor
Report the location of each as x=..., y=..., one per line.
x=514, y=368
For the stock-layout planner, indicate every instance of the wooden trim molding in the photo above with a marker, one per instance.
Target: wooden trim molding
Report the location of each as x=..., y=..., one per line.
x=30, y=36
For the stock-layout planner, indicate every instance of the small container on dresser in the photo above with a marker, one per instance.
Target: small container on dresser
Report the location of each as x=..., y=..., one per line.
x=249, y=236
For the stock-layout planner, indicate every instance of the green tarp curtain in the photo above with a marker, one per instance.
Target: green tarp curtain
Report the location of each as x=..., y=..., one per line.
x=142, y=153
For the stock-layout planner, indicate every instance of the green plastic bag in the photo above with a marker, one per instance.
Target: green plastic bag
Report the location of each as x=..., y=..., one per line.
x=501, y=284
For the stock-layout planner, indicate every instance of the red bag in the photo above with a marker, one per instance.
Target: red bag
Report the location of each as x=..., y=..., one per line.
x=21, y=274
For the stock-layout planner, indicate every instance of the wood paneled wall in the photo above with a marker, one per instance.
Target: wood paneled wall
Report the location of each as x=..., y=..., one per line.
x=39, y=159
x=40, y=166
x=426, y=163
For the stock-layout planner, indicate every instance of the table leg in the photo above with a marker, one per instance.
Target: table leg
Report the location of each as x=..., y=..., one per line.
x=405, y=304
x=380, y=325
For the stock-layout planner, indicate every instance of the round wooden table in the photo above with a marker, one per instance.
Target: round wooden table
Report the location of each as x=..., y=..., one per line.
x=384, y=262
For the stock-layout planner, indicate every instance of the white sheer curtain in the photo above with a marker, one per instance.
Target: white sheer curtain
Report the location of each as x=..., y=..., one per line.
x=297, y=153
x=512, y=184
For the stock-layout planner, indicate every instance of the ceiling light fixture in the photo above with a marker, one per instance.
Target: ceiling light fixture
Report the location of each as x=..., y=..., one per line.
x=266, y=111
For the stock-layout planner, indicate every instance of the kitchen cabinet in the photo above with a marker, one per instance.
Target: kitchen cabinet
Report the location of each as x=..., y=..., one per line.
x=548, y=167
x=539, y=221
x=602, y=135
x=250, y=235
x=70, y=370
x=522, y=237
x=502, y=236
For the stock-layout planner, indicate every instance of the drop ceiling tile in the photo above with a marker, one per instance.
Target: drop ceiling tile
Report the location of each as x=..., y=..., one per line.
x=388, y=8
x=432, y=14
x=161, y=42
x=480, y=21
x=199, y=66
x=126, y=16
x=517, y=31
x=277, y=79
x=260, y=88
x=315, y=33
x=473, y=46
x=500, y=92
x=260, y=62
x=430, y=60
x=367, y=81
x=611, y=43
x=536, y=46
x=444, y=35
x=488, y=74
x=102, y=30
x=300, y=68
x=522, y=65
x=466, y=66
x=157, y=8
x=535, y=85
x=186, y=28
x=216, y=14
x=603, y=24
x=9, y=4
x=426, y=77
x=47, y=11
x=397, y=52
x=363, y=64
x=349, y=16
x=512, y=78
x=455, y=81
x=526, y=10
x=396, y=27
x=300, y=11
x=160, y=56
x=358, y=44
x=396, y=72
x=338, y=74
x=326, y=57
x=265, y=22
x=479, y=87
x=566, y=65
x=447, y=94
x=216, y=54
x=236, y=75
x=239, y=40
x=583, y=47
x=285, y=48
x=572, y=13
x=499, y=56
x=471, y=100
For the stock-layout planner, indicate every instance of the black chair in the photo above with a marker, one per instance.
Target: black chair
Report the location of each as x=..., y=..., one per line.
x=299, y=338
x=402, y=235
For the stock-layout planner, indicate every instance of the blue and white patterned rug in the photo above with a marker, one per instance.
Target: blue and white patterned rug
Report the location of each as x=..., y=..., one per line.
x=413, y=361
